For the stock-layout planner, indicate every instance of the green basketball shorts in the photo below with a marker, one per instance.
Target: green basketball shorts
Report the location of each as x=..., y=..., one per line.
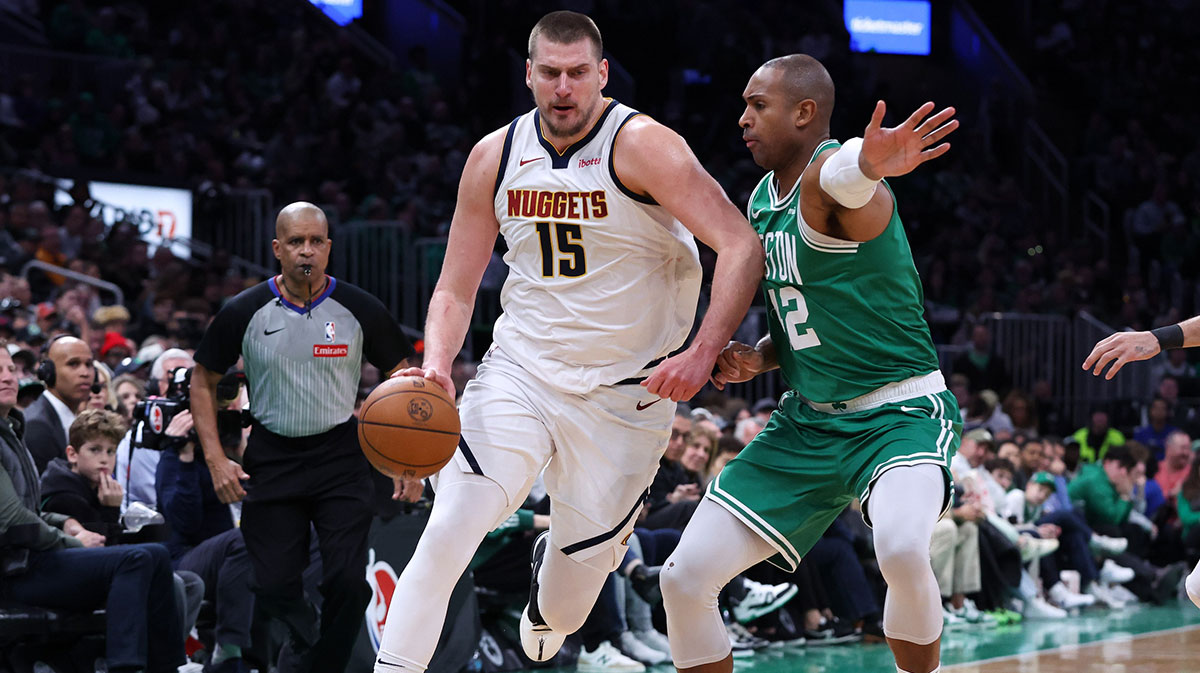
x=806, y=466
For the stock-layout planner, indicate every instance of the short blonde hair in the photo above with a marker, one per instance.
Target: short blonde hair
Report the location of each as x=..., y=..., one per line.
x=94, y=424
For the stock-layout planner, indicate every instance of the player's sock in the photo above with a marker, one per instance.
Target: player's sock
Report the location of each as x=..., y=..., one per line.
x=715, y=547
x=465, y=510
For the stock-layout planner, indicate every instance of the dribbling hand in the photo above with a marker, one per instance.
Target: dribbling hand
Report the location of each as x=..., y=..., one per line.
x=407, y=490
x=737, y=363
x=430, y=374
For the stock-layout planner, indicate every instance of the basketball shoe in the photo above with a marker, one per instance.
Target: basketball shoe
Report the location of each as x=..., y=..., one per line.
x=539, y=641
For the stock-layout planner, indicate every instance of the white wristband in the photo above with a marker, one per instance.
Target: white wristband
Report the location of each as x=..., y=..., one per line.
x=842, y=179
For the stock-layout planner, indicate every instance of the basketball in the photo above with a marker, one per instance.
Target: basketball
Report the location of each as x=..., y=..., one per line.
x=408, y=427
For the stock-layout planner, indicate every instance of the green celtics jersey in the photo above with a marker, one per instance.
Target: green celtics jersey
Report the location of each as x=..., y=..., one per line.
x=846, y=317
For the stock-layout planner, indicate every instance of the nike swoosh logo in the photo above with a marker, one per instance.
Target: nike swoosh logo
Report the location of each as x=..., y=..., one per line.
x=643, y=407
x=525, y=161
x=904, y=408
x=269, y=332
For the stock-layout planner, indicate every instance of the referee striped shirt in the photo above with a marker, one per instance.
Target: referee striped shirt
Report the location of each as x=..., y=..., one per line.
x=303, y=364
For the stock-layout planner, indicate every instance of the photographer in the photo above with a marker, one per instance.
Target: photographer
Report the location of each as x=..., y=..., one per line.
x=204, y=538
x=136, y=465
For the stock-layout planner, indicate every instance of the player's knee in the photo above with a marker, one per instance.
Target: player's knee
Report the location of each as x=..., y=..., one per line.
x=901, y=557
x=684, y=586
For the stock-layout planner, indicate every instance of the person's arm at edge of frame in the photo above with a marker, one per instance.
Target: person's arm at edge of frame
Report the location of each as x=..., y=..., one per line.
x=652, y=159
x=473, y=232
x=1122, y=348
x=227, y=474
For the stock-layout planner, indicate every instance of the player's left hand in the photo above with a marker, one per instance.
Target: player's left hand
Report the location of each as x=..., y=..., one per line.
x=408, y=490
x=1120, y=349
x=680, y=377
x=888, y=152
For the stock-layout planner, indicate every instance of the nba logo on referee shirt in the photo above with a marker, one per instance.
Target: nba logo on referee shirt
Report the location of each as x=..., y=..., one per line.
x=330, y=332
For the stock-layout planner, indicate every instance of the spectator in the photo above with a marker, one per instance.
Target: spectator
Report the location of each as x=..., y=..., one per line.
x=1097, y=438
x=66, y=368
x=1188, y=503
x=1032, y=460
x=116, y=349
x=102, y=395
x=81, y=485
x=698, y=453
x=1019, y=408
x=204, y=539
x=136, y=467
x=1177, y=464
x=1154, y=433
x=982, y=367
x=129, y=390
x=1105, y=488
x=43, y=565
x=971, y=452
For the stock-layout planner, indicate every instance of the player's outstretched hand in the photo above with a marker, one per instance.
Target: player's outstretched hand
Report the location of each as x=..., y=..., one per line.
x=888, y=152
x=1120, y=349
x=680, y=377
x=430, y=374
x=738, y=362
x=227, y=478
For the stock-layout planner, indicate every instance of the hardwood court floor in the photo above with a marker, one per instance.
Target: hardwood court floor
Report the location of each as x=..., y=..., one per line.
x=1137, y=640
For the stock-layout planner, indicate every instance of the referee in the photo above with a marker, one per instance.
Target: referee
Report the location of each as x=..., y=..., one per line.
x=303, y=336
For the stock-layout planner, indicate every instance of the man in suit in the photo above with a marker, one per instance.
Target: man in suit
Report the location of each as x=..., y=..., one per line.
x=67, y=370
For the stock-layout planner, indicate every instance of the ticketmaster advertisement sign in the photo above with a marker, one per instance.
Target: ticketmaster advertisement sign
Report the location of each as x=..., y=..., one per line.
x=889, y=26
x=159, y=213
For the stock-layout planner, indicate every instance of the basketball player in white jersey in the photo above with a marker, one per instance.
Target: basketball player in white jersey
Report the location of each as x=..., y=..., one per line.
x=598, y=206
x=1117, y=350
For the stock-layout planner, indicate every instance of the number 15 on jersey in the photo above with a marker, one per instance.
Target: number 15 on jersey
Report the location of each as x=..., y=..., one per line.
x=792, y=310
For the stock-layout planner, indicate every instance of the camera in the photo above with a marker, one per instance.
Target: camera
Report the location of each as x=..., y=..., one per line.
x=153, y=415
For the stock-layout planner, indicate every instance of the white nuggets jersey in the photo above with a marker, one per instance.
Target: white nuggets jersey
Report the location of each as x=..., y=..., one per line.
x=602, y=282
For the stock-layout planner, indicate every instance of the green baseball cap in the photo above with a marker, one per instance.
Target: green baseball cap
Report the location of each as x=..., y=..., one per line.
x=1043, y=478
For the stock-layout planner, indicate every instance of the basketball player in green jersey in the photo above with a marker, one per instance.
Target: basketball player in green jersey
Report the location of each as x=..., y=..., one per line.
x=868, y=415
x=1117, y=350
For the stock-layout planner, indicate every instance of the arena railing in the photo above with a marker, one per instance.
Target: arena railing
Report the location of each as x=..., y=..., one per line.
x=75, y=276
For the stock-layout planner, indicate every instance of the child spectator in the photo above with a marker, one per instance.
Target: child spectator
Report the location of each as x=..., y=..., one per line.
x=81, y=485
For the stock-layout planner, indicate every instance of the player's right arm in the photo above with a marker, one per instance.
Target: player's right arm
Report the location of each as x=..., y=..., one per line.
x=1124, y=347
x=473, y=232
x=740, y=362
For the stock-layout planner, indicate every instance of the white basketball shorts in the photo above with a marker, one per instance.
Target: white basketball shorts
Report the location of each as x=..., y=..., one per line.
x=600, y=450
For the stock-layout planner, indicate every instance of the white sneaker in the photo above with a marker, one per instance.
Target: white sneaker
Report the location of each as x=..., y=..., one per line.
x=1104, y=596
x=950, y=620
x=606, y=659
x=654, y=639
x=1109, y=546
x=191, y=667
x=640, y=651
x=1038, y=608
x=1122, y=594
x=974, y=616
x=762, y=599
x=1067, y=599
x=1111, y=573
x=539, y=641
x=1034, y=548
x=742, y=641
